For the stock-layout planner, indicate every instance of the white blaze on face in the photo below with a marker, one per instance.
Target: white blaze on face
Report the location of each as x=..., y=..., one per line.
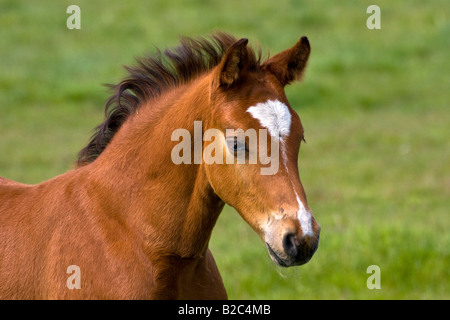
x=276, y=117
x=304, y=217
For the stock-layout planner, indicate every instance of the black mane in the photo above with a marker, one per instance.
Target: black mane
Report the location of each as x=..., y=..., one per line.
x=151, y=77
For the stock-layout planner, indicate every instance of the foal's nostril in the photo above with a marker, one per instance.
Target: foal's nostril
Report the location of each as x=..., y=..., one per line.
x=290, y=244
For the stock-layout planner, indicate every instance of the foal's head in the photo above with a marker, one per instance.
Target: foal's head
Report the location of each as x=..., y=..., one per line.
x=265, y=187
x=257, y=129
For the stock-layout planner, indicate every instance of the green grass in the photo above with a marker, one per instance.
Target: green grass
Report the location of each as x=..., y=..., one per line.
x=374, y=103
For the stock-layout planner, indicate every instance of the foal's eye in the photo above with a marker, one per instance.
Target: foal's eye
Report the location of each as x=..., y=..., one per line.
x=234, y=144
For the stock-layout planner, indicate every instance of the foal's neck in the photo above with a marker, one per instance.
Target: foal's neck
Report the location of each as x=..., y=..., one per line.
x=172, y=206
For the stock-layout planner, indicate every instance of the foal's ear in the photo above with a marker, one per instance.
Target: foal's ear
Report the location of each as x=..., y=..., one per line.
x=290, y=64
x=232, y=63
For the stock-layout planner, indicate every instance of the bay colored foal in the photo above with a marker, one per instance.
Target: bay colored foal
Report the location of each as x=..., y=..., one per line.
x=135, y=224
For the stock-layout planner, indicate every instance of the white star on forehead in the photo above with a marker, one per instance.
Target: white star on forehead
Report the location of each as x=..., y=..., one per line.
x=273, y=115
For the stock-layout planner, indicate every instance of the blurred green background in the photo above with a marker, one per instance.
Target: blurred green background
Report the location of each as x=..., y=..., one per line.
x=374, y=104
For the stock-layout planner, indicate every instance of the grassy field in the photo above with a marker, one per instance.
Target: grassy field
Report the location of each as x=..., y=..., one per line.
x=374, y=103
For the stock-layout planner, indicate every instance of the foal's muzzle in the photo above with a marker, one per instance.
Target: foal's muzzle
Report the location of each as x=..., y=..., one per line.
x=301, y=250
x=295, y=250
